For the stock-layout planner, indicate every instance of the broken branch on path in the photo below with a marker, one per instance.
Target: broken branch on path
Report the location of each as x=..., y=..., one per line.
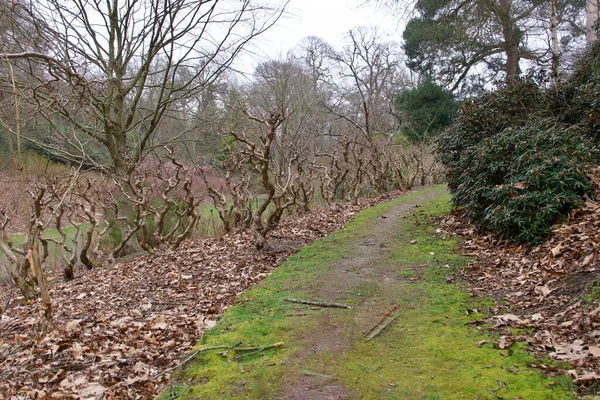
x=260, y=348
x=194, y=354
x=382, y=324
x=317, y=303
x=254, y=350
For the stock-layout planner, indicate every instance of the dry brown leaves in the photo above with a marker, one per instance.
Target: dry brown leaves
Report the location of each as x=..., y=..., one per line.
x=551, y=288
x=117, y=328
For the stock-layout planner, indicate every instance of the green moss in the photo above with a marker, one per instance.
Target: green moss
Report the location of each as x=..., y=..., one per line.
x=593, y=294
x=430, y=352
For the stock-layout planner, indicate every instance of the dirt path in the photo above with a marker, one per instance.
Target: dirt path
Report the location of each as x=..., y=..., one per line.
x=367, y=266
x=387, y=262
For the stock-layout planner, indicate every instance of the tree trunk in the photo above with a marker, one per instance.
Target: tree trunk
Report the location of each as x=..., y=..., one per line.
x=68, y=272
x=512, y=56
x=34, y=262
x=591, y=13
x=554, y=34
x=87, y=241
x=126, y=208
x=512, y=37
x=260, y=237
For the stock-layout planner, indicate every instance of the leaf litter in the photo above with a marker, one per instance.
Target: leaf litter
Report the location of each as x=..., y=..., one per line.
x=120, y=330
x=551, y=289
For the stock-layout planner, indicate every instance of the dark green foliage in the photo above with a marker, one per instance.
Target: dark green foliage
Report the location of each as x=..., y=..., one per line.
x=484, y=117
x=422, y=38
x=517, y=158
x=428, y=108
x=517, y=183
x=578, y=100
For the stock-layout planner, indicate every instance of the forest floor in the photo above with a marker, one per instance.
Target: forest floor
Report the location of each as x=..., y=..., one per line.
x=119, y=330
x=436, y=310
x=410, y=331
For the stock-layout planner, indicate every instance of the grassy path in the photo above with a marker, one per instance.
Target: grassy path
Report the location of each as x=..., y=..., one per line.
x=388, y=258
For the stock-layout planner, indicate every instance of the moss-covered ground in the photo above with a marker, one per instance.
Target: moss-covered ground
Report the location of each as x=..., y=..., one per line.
x=431, y=351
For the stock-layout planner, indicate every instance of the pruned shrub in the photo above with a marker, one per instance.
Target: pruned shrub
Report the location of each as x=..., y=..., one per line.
x=578, y=99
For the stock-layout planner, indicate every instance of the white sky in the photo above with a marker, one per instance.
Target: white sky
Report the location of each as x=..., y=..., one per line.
x=327, y=19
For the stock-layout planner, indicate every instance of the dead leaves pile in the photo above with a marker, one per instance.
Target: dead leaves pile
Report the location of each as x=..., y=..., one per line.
x=551, y=289
x=118, y=329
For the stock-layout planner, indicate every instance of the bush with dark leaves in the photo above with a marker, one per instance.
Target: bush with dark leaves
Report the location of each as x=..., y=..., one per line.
x=484, y=117
x=521, y=180
x=517, y=158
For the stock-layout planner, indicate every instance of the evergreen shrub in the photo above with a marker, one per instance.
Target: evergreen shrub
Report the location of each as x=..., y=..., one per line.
x=517, y=158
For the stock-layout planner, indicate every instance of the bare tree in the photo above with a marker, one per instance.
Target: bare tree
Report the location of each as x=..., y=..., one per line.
x=114, y=70
x=129, y=61
x=370, y=74
x=315, y=54
x=591, y=12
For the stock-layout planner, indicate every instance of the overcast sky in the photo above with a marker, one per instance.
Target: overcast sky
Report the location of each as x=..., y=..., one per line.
x=327, y=19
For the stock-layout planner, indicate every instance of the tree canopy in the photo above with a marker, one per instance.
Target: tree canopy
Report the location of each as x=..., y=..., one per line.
x=427, y=108
x=457, y=41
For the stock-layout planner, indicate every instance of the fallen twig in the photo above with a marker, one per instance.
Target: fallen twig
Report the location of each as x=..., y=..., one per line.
x=175, y=396
x=260, y=348
x=381, y=325
x=194, y=354
x=493, y=391
x=18, y=348
x=254, y=350
x=319, y=304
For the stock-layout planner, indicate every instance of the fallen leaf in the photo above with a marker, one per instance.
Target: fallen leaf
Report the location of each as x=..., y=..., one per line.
x=594, y=351
x=557, y=251
x=509, y=319
x=73, y=326
x=542, y=290
x=58, y=376
x=520, y=185
x=569, y=351
x=537, y=317
x=159, y=323
x=586, y=379
x=151, y=340
x=141, y=368
x=92, y=391
x=504, y=342
x=76, y=349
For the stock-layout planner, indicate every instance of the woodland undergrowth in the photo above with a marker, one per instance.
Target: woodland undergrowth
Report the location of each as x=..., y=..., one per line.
x=546, y=295
x=118, y=331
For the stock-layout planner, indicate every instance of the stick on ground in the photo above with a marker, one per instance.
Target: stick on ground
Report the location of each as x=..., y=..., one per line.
x=382, y=324
x=254, y=350
x=317, y=303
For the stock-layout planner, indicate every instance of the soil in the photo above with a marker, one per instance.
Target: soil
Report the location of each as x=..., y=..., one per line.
x=365, y=266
